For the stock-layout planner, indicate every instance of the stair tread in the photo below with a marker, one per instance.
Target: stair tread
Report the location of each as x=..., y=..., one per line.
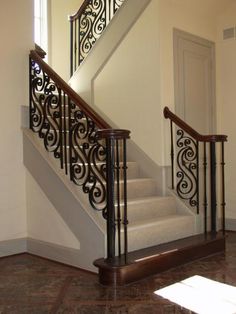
x=157, y=220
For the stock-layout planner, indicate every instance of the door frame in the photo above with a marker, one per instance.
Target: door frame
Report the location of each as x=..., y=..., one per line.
x=179, y=109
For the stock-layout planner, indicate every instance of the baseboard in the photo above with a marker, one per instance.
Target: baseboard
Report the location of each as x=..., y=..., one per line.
x=43, y=249
x=230, y=224
x=54, y=252
x=14, y=246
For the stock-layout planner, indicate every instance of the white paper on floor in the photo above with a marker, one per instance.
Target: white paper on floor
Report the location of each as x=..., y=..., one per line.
x=201, y=295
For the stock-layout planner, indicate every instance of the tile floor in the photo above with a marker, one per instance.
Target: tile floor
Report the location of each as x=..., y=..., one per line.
x=29, y=284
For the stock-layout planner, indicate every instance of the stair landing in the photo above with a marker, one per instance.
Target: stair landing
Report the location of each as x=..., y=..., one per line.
x=156, y=259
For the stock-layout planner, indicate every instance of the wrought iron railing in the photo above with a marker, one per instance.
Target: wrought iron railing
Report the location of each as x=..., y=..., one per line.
x=89, y=150
x=194, y=161
x=87, y=25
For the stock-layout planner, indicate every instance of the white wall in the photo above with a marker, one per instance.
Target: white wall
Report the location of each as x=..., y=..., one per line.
x=59, y=46
x=16, y=34
x=227, y=102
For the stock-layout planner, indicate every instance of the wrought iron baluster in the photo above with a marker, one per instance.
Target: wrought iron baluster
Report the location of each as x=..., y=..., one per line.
x=61, y=128
x=111, y=223
x=118, y=197
x=88, y=24
x=197, y=175
x=205, y=186
x=125, y=220
x=30, y=94
x=76, y=43
x=70, y=137
x=172, y=156
x=223, y=204
x=71, y=47
x=187, y=185
x=65, y=131
x=213, y=185
x=188, y=170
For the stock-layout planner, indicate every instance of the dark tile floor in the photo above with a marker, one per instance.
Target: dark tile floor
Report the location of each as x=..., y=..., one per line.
x=29, y=284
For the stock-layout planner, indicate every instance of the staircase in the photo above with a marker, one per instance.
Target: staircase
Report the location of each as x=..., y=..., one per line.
x=145, y=231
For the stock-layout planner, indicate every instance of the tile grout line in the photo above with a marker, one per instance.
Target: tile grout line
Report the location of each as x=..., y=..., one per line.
x=61, y=295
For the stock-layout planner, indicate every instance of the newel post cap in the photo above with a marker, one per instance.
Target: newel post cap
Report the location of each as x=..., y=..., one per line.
x=116, y=134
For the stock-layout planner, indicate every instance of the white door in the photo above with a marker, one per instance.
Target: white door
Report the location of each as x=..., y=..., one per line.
x=194, y=68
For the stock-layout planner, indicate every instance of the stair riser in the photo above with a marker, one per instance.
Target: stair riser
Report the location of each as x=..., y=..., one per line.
x=151, y=209
x=139, y=188
x=164, y=232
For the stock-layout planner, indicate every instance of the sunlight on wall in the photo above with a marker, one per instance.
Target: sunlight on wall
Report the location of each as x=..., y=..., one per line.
x=202, y=295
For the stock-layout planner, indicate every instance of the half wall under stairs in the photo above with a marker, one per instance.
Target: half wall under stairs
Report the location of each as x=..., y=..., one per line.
x=153, y=218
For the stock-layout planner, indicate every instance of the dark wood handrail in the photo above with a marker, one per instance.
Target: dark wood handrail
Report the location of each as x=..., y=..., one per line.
x=40, y=51
x=194, y=134
x=74, y=16
x=92, y=114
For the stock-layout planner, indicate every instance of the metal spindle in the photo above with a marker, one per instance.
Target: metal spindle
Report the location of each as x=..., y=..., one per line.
x=110, y=199
x=213, y=185
x=60, y=128
x=197, y=183
x=172, y=156
x=125, y=222
x=118, y=197
x=75, y=44
x=70, y=136
x=65, y=130
x=30, y=94
x=205, y=187
x=71, y=47
x=223, y=186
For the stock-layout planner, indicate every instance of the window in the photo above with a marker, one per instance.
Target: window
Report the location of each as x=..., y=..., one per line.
x=40, y=24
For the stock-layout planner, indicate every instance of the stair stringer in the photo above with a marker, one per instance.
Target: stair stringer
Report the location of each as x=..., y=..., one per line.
x=72, y=205
x=112, y=36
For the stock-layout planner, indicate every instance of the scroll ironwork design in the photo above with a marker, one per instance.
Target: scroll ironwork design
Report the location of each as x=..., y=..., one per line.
x=87, y=26
x=52, y=114
x=88, y=159
x=187, y=165
x=194, y=182
x=45, y=110
x=89, y=150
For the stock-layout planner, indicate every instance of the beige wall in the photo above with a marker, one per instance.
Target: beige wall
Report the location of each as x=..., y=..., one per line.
x=59, y=42
x=138, y=81
x=42, y=215
x=16, y=34
x=127, y=88
x=227, y=102
x=190, y=16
